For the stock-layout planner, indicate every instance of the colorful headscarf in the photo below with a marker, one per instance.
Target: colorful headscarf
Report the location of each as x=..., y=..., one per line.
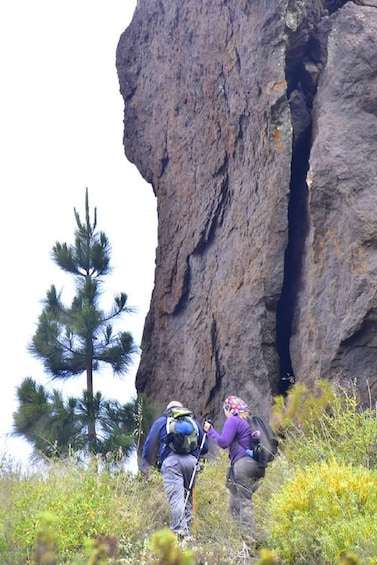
x=235, y=405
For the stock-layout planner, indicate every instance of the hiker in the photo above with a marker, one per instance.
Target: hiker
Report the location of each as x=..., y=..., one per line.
x=177, y=469
x=244, y=474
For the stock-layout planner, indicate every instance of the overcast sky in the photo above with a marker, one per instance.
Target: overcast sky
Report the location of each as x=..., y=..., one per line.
x=61, y=130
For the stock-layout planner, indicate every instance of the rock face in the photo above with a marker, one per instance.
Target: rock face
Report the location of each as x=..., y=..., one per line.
x=334, y=329
x=255, y=123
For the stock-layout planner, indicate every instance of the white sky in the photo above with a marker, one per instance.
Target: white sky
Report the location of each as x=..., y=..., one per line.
x=61, y=128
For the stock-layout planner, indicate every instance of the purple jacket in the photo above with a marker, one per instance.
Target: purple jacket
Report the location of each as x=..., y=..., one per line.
x=235, y=435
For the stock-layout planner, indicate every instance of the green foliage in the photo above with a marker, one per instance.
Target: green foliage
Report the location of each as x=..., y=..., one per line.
x=324, y=511
x=308, y=510
x=44, y=418
x=145, y=414
x=57, y=427
x=45, y=540
x=267, y=557
x=326, y=424
x=84, y=505
x=303, y=408
x=167, y=551
x=88, y=510
x=213, y=517
x=75, y=339
x=318, y=506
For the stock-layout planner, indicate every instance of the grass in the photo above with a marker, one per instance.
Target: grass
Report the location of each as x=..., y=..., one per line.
x=316, y=504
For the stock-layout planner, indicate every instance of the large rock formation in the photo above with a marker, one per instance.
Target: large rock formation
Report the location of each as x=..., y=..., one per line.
x=255, y=123
x=334, y=329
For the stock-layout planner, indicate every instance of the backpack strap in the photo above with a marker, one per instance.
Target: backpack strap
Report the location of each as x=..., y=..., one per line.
x=178, y=411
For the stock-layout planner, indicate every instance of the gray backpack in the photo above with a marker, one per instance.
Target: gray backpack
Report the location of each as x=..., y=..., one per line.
x=182, y=430
x=264, y=443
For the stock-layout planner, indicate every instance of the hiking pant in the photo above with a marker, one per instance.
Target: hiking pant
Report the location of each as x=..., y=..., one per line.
x=176, y=471
x=243, y=479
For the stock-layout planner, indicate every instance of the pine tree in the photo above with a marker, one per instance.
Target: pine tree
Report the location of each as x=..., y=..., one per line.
x=56, y=426
x=76, y=339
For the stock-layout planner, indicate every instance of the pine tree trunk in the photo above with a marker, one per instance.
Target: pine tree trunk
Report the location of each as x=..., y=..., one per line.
x=91, y=417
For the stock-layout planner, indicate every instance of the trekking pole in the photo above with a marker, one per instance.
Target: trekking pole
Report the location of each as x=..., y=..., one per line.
x=192, y=480
x=194, y=524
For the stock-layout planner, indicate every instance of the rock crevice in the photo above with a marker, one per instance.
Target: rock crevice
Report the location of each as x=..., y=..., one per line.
x=305, y=59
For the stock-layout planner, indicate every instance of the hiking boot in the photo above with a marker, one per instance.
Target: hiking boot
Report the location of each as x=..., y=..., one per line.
x=184, y=538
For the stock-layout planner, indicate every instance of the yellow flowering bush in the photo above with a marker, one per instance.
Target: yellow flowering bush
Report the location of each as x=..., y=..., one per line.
x=323, y=512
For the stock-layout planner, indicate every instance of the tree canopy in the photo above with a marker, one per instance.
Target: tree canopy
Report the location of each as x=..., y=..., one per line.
x=57, y=426
x=79, y=338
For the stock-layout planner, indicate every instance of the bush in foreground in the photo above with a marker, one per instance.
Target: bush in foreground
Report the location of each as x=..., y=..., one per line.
x=324, y=512
x=315, y=505
x=76, y=513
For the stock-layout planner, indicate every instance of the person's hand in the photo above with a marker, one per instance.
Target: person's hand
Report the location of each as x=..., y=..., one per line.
x=145, y=470
x=206, y=426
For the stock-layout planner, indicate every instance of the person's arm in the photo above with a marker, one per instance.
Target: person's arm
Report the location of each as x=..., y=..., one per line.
x=227, y=435
x=150, y=448
x=204, y=449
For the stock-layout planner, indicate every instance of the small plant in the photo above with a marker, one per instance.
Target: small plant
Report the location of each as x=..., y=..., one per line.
x=45, y=542
x=267, y=557
x=100, y=550
x=167, y=551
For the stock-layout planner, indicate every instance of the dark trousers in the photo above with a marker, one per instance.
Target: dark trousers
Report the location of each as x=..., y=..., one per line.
x=243, y=479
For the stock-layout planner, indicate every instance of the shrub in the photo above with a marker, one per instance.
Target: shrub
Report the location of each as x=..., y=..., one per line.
x=325, y=424
x=167, y=551
x=323, y=512
x=302, y=408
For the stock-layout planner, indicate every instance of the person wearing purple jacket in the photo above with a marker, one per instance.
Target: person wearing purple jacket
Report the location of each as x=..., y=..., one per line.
x=244, y=474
